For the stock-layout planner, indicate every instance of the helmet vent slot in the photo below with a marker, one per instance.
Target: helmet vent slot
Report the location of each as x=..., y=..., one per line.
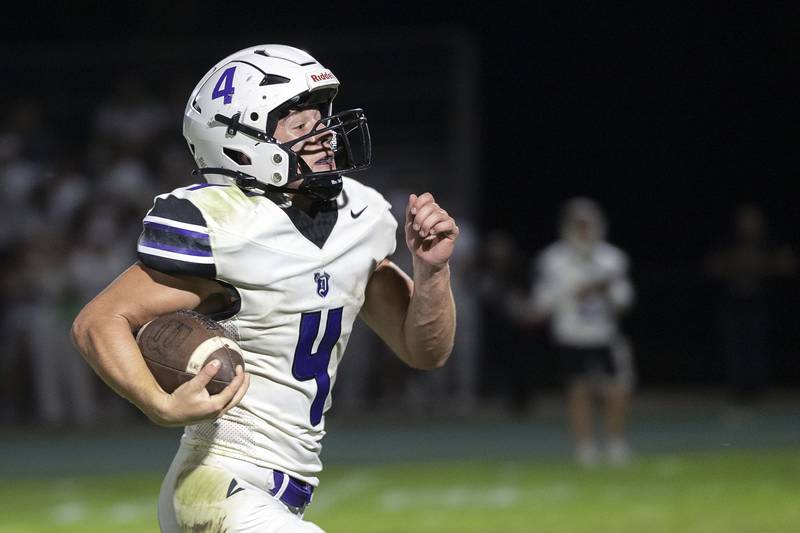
x=237, y=157
x=273, y=79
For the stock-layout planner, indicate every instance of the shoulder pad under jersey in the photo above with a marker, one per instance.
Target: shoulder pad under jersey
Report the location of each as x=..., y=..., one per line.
x=175, y=237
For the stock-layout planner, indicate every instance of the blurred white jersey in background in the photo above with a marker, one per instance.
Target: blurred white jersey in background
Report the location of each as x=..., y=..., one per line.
x=582, y=289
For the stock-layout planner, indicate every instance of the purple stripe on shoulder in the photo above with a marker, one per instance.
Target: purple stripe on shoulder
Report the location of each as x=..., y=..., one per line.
x=204, y=185
x=181, y=231
x=176, y=249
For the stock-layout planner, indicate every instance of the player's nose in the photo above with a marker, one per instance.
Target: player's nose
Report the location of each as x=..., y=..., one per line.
x=319, y=133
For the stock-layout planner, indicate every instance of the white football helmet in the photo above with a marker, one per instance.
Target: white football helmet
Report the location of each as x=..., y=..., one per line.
x=231, y=116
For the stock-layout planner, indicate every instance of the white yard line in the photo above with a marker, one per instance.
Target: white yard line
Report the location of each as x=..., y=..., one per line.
x=334, y=493
x=130, y=511
x=457, y=497
x=68, y=512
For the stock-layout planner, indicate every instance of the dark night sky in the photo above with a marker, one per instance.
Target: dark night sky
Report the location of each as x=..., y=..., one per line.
x=668, y=116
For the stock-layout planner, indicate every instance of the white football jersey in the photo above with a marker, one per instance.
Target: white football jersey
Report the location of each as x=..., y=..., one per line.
x=588, y=320
x=298, y=304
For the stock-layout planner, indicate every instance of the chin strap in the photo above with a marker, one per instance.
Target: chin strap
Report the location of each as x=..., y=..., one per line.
x=245, y=181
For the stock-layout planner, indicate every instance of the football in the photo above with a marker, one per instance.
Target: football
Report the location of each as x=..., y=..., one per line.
x=177, y=345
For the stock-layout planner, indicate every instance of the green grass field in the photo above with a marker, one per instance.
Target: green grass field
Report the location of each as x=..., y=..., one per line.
x=727, y=492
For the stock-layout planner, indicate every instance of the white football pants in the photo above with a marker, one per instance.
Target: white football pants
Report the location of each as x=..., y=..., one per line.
x=210, y=493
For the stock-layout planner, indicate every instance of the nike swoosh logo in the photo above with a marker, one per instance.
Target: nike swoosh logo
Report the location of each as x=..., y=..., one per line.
x=356, y=215
x=233, y=488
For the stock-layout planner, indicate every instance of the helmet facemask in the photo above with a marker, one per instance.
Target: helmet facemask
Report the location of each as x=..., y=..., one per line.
x=352, y=151
x=350, y=143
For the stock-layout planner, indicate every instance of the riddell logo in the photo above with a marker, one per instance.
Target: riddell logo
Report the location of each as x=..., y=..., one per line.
x=322, y=77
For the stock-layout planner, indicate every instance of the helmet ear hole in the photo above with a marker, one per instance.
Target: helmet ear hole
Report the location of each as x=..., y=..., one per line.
x=237, y=157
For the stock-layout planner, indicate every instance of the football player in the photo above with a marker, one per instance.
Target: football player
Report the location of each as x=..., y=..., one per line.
x=582, y=286
x=284, y=251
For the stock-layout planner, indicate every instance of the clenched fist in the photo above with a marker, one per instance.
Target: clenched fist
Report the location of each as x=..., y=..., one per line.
x=431, y=232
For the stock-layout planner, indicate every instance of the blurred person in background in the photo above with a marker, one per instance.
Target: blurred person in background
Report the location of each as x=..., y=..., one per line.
x=49, y=186
x=132, y=116
x=45, y=385
x=63, y=387
x=503, y=284
x=463, y=370
x=97, y=256
x=581, y=286
x=38, y=313
x=744, y=265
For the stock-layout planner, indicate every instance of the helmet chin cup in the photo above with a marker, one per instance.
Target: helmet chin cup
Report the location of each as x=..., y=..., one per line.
x=321, y=188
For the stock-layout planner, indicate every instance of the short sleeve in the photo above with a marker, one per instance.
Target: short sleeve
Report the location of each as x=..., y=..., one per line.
x=175, y=239
x=390, y=223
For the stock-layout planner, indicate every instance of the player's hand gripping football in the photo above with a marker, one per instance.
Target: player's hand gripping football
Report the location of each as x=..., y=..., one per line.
x=191, y=403
x=431, y=232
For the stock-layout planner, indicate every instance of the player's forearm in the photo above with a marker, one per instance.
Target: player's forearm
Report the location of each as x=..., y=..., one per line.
x=109, y=347
x=429, y=327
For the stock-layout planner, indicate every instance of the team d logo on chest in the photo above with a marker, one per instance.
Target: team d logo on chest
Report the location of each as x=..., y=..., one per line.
x=321, y=278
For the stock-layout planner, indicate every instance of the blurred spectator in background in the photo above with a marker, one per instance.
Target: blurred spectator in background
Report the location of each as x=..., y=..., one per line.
x=70, y=219
x=582, y=287
x=743, y=266
x=131, y=117
x=463, y=372
x=63, y=390
x=98, y=255
x=503, y=284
